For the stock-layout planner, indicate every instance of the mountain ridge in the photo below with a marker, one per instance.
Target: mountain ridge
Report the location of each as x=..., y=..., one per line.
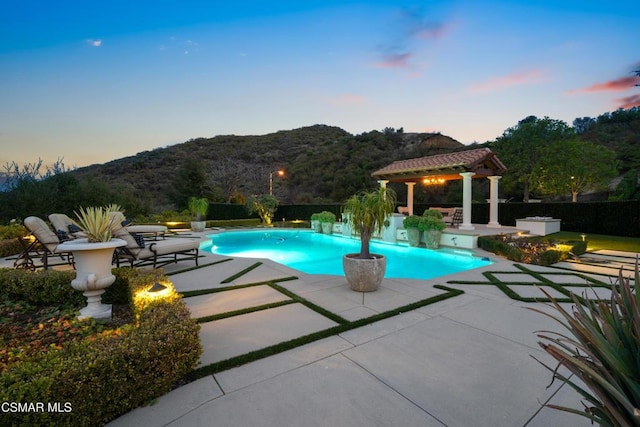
x=322, y=163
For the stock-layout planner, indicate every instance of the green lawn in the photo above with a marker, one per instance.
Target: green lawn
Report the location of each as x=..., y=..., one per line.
x=600, y=241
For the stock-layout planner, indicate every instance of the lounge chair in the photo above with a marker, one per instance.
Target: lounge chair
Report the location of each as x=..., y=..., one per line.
x=62, y=225
x=45, y=245
x=157, y=253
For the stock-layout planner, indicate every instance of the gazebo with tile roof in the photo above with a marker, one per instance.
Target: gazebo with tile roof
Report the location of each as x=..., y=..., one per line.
x=465, y=165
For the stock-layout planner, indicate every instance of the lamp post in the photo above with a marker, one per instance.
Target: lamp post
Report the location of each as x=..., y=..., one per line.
x=280, y=173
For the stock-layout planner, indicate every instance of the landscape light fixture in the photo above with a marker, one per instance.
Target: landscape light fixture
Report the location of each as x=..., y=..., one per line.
x=280, y=172
x=158, y=289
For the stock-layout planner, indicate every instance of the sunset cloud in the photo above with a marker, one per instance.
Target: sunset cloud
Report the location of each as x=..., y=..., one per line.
x=616, y=85
x=628, y=102
x=349, y=99
x=410, y=29
x=513, y=79
x=394, y=60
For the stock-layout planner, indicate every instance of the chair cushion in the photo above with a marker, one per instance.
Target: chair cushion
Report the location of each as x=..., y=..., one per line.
x=74, y=228
x=139, y=239
x=63, y=236
x=42, y=232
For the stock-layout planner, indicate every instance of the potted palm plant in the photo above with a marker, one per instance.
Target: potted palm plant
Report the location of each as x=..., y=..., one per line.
x=412, y=225
x=327, y=219
x=198, y=208
x=93, y=257
x=367, y=212
x=432, y=225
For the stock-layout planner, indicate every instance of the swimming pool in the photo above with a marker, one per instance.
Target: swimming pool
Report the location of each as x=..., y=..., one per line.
x=315, y=253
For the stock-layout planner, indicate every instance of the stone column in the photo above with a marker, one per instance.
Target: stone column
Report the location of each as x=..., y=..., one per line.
x=466, y=201
x=493, y=202
x=410, y=186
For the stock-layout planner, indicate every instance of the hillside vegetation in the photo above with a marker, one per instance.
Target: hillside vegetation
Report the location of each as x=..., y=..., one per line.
x=321, y=163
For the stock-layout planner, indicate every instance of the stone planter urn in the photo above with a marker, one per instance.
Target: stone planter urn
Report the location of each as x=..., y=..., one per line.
x=413, y=236
x=432, y=238
x=327, y=227
x=315, y=225
x=198, y=226
x=93, y=273
x=364, y=275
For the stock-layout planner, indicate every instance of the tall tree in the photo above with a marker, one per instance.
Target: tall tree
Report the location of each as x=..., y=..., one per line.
x=574, y=166
x=190, y=181
x=522, y=148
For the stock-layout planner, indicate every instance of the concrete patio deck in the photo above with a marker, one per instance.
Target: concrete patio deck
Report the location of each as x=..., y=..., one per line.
x=462, y=361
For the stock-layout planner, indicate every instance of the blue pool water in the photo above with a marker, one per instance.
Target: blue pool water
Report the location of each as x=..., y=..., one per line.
x=315, y=253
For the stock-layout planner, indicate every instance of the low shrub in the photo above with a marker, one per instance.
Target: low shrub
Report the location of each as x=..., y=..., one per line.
x=326, y=217
x=42, y=287
x=535, y=250
x=97, y=379
x=412, y=221
x=10, y=247
x=12, y=231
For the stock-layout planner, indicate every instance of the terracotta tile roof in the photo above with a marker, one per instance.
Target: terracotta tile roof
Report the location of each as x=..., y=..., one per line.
x=481, y=159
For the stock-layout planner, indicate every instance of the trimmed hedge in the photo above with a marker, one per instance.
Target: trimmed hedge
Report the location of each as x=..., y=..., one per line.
x=99, y=380
x=611, y=218
x=10, y=247
x=42, y=287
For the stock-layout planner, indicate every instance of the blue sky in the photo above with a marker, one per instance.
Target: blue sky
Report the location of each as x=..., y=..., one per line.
x=95, y=81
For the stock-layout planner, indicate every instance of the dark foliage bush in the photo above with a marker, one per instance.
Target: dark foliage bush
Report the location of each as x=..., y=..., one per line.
x=103, y=378
x=10, y=247
x=610, y=218
x=540, y=251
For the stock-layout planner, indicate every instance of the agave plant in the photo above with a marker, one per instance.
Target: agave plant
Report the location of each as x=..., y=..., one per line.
x=97, y=222
x=603, y=353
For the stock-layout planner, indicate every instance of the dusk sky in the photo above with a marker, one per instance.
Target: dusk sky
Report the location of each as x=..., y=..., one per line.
x=90, y=82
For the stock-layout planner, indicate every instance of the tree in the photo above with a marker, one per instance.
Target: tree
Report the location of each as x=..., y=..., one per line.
x=190, y=181
x=582, y=124
x=574, y=166
x=265, y=206
x=522, y=147
x=627, y=189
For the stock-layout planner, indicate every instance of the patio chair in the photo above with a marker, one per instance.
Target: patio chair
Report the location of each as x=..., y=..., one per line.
x=456, y=217
x=157, y=253
x=45, y=245
x=62, y=223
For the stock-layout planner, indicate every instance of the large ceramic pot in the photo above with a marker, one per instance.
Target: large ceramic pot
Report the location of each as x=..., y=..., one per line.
x=327, y=227
x=198, y=226
x=413, y=236
x=364, y=275
x=432, y=238
x=93, y=273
